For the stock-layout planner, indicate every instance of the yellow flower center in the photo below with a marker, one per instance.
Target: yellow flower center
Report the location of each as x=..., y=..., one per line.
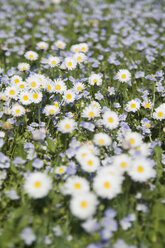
x=16, y=80
x=33, y=84
x=49, y=87
x=69, y=63
x=11, y=92
x=79, y=58
x=91, y=113
x=148, y=125
x=21, y=86
x=37, y=184
x=56, y=104
x=51, y=111
x=123, y=164
x=133, y=105
x=140, y=168
x=160, y=114
x=101, y=141
x=61, y=169
x=147, y=105
x=110, y=119
x=58, y=87
x=53, y=62
x=31, y=56
x=107, y=185
x=123, y=76
x=132, y=140
x=35, y=95
x=90, y=162
x=68, y=96
x=83, y=48
x=95, y=80
x=67, y=126
x=24, y=67
x=79, y=88
x=25, y=97
x=84, y=204
x=17, y=111
x=83, y=154
x=77, y=185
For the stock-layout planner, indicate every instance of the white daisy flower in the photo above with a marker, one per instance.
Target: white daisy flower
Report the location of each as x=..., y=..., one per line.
x=51, y=110
x=70, y=63
x=22, y=86
x=141, y=170
x=95, y=79
x=60, y=170
x=75, y=48
x=78, y=87
x=42, y=45
x=80, y=57
x=122, y=162
x=25, y=97
x=110, y=119
x=69, y=96
x=67, y=125
x=49, y=86
x=11, y=92
x=59, y=86
x=123, y=76
x=23, y=67
x=159, y=113
x=33, y=82
x=75, y=185
x=3, y=96
x=17, y=110
x=84, y=47
x=147, y=104
x=37, y=185
x=60, y=44
x=16, y=79
x=53, y=61
x=107, y=186
x=36, y=96
x=90, y=112
x=84, y=205
x=82, y=152
x=102, y=139
x=133, y=106
x=90, y=163
x=132, y=139
x=31, y=55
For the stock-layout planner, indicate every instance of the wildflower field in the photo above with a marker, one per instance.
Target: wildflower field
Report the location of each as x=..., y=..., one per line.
x=82, y=124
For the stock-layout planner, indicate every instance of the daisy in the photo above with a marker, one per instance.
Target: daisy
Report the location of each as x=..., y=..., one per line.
x=51, y=110
x=37, y=185
x=123, y=76
x=22, y=86
x=147, y=104
x=90, y=163
x=36, y=96
x=11, y=92
x=122, y=162
x=69, y=96
x=80, y=57
x=25, y=98
x=83, y=205
x=75, y=48
x=82, y=152
x=95, y=79
x=60, y=170
x=102, y=139
x=60, y=44
x=23, y=67
x=83, y=47
x=49, y=86
x=133, y=106
x=96, y=105
x=132, y=140
x=90, y=112
x=141, y=170
x=17, y=110
x=42, y=45
x=33, y=82
x=59, y=86
x=110, y=119
x=70, y=63
x=159, y=113
x=53, y=61
x=16, y=79
x=75, y=185
x=67, y=125
x=78, y=87
x=106, y=187
x=31, y=55
x=3, y=96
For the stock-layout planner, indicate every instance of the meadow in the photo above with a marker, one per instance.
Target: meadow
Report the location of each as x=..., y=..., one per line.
x=82, y=124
